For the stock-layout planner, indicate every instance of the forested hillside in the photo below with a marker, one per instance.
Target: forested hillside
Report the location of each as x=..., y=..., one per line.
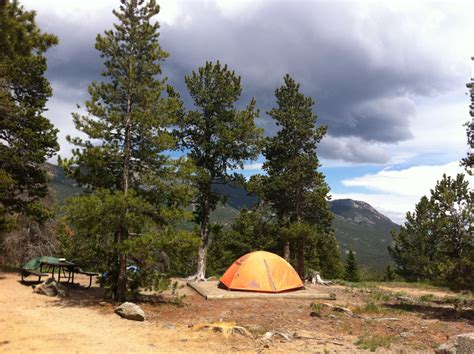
x=364, y=230
x=358, y=225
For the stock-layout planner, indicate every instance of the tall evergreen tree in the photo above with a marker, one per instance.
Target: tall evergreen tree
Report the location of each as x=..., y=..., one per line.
x=27, y=137
x=414, y=248
x=294, y=187
x=352, y=270
x=128, y=128
x=436, y=242
x=218, y=137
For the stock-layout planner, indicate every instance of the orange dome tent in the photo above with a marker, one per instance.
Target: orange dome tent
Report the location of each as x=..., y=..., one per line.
x=261, y=271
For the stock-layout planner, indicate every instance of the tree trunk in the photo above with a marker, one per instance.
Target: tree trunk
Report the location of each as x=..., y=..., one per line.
x=204, y=245
x=300, y=256
x=286, y=251
x=202, y=259
x=300, y=239
x=121, y=290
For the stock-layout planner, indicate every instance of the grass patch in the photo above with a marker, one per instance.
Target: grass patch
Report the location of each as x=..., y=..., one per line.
x=372, y=342
x=317, y=310
x=426, y=298
x=370, y=308
x=378, y=295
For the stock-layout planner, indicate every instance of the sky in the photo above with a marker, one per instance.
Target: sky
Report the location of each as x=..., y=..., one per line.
x=388, y=78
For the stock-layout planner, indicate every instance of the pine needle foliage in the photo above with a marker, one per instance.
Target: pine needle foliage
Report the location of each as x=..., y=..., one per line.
x=123, y=159
x=27, y=137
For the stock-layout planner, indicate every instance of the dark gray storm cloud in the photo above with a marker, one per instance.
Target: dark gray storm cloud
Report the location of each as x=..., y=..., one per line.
x=364, y=69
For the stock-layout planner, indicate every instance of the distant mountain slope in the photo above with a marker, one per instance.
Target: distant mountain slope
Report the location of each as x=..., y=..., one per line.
x=61, y=186
x=237, y=196
x=357, y=224
x=363, y=229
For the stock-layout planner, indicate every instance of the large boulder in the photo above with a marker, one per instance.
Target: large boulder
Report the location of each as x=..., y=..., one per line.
x=50, y=287
x=130, y=311
x=460, y=344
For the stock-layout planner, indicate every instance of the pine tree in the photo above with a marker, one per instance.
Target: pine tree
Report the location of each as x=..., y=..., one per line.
x=218, y=137
x=436, y=242
x=453, y=231
x=128, y=127
x=468, y=161
x=414, y=248
x=294, y=187
x=352, y=270
x=27, y=137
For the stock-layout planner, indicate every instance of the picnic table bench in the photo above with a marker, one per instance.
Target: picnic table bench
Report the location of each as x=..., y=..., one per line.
x=79, y=270
x=26, y=272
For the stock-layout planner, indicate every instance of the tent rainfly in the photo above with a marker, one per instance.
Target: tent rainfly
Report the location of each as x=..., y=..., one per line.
x=263, y=272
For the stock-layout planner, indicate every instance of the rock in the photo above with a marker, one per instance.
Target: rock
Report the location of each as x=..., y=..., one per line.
x=404, y=298
x=278, y=335
x=168, y=326
x=460, y=344
x=406, y=334
x=50, y=287
x=256, y=329
x=318, y=308
x=386, y=319
x=130, y=311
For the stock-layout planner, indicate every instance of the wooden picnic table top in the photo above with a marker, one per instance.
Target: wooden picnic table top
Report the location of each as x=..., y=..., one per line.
x=58, y=263
x=61, y=264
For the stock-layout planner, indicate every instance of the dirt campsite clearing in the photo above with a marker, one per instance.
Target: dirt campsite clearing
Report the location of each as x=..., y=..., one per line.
x=84, y=322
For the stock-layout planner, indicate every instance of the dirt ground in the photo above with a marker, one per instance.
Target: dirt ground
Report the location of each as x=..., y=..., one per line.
x=83, y=322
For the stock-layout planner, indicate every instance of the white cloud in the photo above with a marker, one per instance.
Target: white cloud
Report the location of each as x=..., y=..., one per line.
x=238, y=10
x=253, y=166
x=394, y=192
x=415, y=180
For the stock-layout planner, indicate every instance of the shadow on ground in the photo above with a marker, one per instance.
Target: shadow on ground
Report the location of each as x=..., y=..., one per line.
x=94, y=296
x=436, y=312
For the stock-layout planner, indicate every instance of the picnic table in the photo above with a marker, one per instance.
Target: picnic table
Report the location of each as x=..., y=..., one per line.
x=36, y=266
x=62, y=265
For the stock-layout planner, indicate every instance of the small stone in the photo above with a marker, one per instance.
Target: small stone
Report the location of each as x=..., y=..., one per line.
x=404, y=298
x=279, y=335
x=102, y=303
x=168, y=326
x=130, y=311
x=256, y=329
x=406, y=334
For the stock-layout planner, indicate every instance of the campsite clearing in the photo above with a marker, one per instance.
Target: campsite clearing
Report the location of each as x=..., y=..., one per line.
x=83, y=322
